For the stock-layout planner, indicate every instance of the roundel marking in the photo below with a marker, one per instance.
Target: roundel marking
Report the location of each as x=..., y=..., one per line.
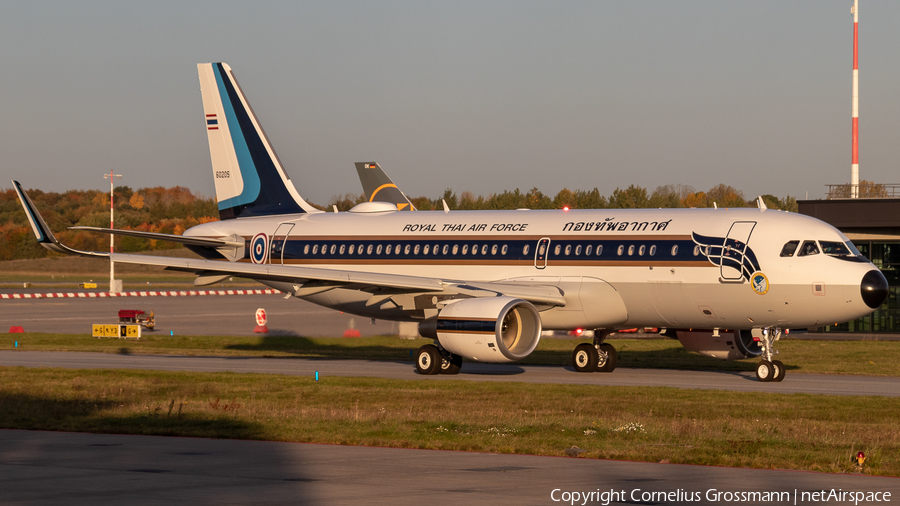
x=759, y=282
x=259, y=248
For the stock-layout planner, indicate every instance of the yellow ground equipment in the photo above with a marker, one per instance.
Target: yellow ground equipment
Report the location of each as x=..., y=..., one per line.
x=148, y=321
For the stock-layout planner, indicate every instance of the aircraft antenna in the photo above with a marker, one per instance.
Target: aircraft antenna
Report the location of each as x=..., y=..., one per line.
x=854, y=162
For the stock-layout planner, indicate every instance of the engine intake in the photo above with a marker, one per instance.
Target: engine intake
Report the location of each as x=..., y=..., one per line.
x=490, y=329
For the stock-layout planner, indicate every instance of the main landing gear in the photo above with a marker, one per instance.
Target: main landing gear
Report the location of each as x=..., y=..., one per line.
x=431, y=359
x=597, y=356
x=768, y=369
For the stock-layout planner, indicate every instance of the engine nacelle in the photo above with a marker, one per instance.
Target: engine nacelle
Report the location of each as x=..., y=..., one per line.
x=728, y=345
x=489, y=329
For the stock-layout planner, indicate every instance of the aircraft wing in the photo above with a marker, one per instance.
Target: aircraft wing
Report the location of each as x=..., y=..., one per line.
x=301, y=280
x=309, y=280
x=193, y=241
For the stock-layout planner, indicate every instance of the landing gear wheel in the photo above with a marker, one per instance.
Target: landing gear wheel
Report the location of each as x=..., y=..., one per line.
x=607, y=362
x=451, y=365
x=765, y=371
x=779, y=370
x=428, y=360
x=585, y=358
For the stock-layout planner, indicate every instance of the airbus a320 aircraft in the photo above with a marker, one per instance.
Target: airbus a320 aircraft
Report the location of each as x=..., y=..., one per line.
x=483, y=284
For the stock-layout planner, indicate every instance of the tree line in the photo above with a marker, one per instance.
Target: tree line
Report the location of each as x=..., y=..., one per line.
x=174, y=210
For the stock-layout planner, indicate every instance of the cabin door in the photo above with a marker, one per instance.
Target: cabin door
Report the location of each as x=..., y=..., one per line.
x=731, y=263
x=279, y=239
x=541, y=252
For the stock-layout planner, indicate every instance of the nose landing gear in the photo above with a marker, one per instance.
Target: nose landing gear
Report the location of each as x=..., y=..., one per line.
x=768, y=369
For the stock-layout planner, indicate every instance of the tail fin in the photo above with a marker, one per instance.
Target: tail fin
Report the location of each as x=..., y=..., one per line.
x=250, y=180
x=378, y=187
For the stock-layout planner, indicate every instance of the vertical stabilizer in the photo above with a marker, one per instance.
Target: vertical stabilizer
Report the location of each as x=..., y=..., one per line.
x=378, y=187
x=250, y=180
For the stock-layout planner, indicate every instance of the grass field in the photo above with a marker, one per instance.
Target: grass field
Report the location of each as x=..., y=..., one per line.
x=874, y=358
x=761, y=430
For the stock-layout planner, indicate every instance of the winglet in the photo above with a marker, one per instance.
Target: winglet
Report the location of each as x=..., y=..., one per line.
x=760, y=204
x=42, y=232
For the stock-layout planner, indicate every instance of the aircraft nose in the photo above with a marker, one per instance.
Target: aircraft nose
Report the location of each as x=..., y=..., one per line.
x=874, y=288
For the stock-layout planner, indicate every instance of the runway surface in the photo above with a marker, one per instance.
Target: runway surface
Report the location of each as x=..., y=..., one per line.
x=718, y=380
x=208, y=315
x=67, y=468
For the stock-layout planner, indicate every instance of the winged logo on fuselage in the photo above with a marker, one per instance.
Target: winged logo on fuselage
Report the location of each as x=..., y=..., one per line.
x=728, y=253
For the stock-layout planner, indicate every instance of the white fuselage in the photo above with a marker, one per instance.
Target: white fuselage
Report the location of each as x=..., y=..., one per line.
x=657, y=267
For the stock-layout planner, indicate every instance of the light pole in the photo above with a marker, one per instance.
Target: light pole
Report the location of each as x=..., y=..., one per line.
x=112, y=281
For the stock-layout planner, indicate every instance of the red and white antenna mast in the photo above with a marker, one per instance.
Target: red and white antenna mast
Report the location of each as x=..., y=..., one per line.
x=854, y=162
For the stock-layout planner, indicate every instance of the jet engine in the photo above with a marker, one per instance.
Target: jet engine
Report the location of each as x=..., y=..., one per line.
x=489, y=329
x=728, y=345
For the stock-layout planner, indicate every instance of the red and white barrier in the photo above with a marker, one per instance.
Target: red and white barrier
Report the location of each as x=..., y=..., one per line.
x=101, y=295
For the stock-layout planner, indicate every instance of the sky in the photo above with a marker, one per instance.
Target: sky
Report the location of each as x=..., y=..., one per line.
x=481, y=96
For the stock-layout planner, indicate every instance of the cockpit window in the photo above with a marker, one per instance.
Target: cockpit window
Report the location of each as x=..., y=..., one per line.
x=808, y=248
x=853, y=249
x=834, y=248
x=789, y=248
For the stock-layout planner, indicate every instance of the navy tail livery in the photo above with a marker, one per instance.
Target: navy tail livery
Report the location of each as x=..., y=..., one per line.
x=484, y=284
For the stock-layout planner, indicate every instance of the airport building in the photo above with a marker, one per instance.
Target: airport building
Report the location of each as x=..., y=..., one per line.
x=873, y=224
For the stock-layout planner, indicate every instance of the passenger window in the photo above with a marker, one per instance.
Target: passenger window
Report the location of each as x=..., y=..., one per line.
x=525, y=250
x=397, y=249
x=333, y=247
x=696, y=250
x=556, y=250
x=405, y=250
x=484, y=249
x=324, y=249
x=416, y=250
x=577, y=250
x=306, y=249
x=503, y=250
x=378, y=249
x=315, y=248
x=455, y=249
x=568, y=249
x=599, y=249
x=352, y=249
x=641, y=250
x=446, y=248
x=425, y=250
x=343, y=249
x=388, y=250
x=631, y=250
x=587, y=251
x=674, y=250
x=474, y=249
x=808, y=248
x=652, y=250
x=465, y=249
x=494, y=249
x=541, y=249
x=789, y=248
x=620, y=250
